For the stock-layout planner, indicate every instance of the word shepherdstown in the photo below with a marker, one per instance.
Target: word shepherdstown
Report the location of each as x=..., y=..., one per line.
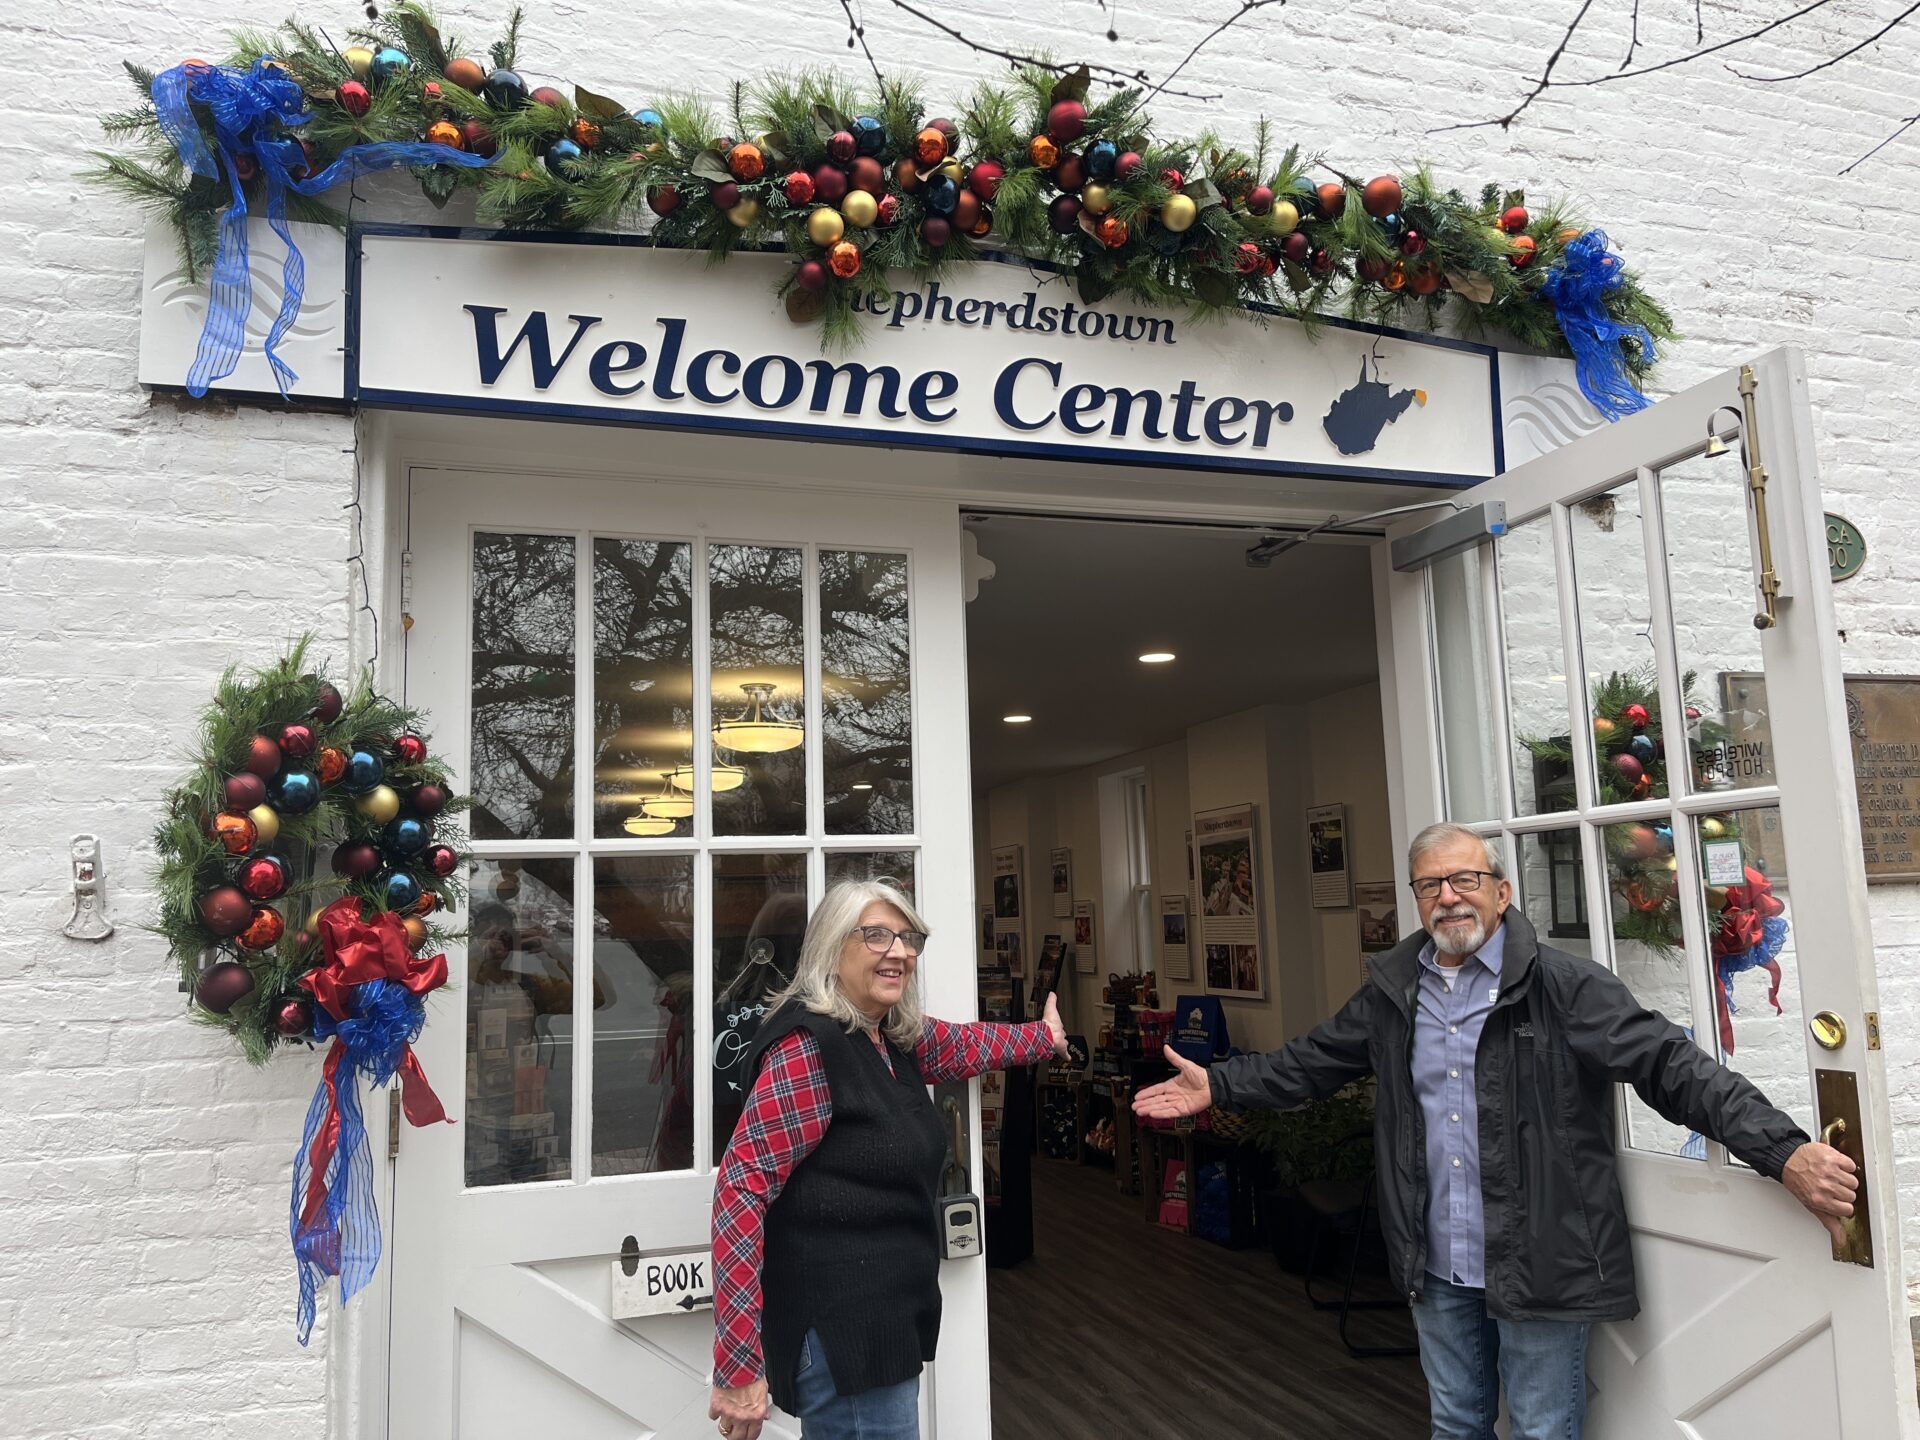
x=1030, y=394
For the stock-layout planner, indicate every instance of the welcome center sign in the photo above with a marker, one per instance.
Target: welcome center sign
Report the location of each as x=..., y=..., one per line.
x=1004, y=359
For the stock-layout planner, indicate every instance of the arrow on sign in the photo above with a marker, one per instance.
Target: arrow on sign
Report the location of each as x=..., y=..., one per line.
x=688, y=1302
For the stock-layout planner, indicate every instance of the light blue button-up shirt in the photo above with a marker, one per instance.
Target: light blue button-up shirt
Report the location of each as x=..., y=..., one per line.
x=1451, y=1009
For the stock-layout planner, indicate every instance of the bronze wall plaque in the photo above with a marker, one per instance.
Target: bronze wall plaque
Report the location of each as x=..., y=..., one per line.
x=1883, y=722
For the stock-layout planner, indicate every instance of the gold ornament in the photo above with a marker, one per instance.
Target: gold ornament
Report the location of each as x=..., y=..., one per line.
x=860, y=209
x=1286, y=218
x=824, y=226
x=266, y=823
x=953, y=170
x=381, y=803
x=1096, y=199
x=744, y=214
x=1179, y=213
x=359, y=60
x=445, y=132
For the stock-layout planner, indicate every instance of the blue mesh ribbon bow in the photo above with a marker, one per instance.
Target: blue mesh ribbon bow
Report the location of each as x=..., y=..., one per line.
x=1577, y=288
x=253, y=112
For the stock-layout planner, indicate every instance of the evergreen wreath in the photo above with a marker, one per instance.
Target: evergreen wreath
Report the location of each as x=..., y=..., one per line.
x=858, y=183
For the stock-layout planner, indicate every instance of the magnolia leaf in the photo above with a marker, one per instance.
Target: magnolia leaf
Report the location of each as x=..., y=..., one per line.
x=711, y=165
x=1216, y=288
x=589, y=103
x=1072, y=87
x=777, y=146
x=438, y=182
x=436, y=47
x=804, y=306
x=827, y=121
x=1202, y=192
x=1092, y=288
x=1471, y=285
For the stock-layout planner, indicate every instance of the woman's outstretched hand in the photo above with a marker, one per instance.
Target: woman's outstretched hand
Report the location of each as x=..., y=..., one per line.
x=741, y=1410
x=1054, y=1028
x=1187, y=1093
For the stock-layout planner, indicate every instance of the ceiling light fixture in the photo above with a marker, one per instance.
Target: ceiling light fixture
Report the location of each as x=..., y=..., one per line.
x=1157, y=657
x=755, y=731
x=722, y=778
x=1017, y=719
x=668, y=804
x=647, y=825
x=861, y=785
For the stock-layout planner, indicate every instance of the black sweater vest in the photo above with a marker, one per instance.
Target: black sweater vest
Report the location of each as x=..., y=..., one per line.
x=852, y=1244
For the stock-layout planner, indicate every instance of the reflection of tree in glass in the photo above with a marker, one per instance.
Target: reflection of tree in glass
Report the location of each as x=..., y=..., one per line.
x=522, y=686
x=866, y=695
x=759, y=634
x=643, y=673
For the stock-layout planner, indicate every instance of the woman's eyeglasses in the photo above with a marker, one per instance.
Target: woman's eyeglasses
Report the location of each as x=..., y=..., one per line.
x=1464, y=882
x=880, y=939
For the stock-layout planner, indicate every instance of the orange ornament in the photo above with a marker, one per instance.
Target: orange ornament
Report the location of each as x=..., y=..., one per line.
x=983, y=224
x=905, y=176
x=263, y=932
x=930, y=147
x=1112, y=231
x=1425, y=281
x=236, y=833
x=445, y=132
x=1333, y=199
x=584, y=132
x=746, y=162
x=416, y=932
x=1523, y=248
x=427, y=903
x=465, y=73
x=844, y=259
x=1043, y=152
x=331, y=764
x=1395, y=278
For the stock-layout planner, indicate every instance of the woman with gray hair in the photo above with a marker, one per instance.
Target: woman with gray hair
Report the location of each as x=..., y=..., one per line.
x=828, y=1192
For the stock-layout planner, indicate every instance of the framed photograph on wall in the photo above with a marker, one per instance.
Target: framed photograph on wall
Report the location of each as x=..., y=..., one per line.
x=1379, y=915
x=1086, y=955
x=1227, y=880
x=1331, y=880
x=1061, y=868
x=1176, y=955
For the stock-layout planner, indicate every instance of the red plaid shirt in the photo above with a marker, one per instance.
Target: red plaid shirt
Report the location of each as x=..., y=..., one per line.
x=786, y=1115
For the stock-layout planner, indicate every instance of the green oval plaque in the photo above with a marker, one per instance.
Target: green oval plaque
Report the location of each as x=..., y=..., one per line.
x=1846, y=547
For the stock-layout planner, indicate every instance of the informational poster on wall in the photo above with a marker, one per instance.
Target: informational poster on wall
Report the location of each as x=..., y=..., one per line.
x=1379, y=915
x=986, y=935
x=1009, y=909
x=1062, y=870
x=1046, y=974
x=1332, y=881
x=1176, y=955
x=1230, y=919
x=1086, y=956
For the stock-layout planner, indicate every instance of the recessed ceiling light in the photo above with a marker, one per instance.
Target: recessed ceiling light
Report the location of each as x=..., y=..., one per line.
x=1017, y=719
x=861, y=785
x=1156, y=657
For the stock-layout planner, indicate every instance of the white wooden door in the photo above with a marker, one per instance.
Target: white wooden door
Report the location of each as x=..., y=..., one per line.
x=1627, y=573
x=574, y=639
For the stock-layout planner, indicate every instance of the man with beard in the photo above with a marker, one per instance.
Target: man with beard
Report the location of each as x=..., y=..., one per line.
x=1496, y=1058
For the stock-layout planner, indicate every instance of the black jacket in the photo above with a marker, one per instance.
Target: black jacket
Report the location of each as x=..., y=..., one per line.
x=1562, y=1032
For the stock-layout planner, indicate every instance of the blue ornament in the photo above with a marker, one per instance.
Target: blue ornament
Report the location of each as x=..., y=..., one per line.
x=869, y=135
x=407, y=836
x=563, y=157
x=1663, y=835
x=1392, y=226
x=940, y=194
x=295, y=792
x=504, y=90
x=388, y=64
x=1101, y=159
x=364, y=771
x=399, y=890
x=649, y=117
x=1643, y=748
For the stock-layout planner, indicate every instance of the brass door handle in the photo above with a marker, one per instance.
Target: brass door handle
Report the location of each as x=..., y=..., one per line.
x=1837, y=1094
x=1834, y=1132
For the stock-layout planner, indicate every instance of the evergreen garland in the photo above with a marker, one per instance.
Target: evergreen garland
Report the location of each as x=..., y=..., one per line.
x=667, y=166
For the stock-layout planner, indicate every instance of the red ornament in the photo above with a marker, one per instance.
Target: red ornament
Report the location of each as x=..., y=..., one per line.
x=1112, y=231
x=1067, y=121
x=1296, y=247
x=1424, y=281
x=1259, y=200
x=889, y=209
x=292, y=1018
x=327, y=710
x=262, y=878
x=829, y=184
x=746, y=161
x=263, y=932
x=1128, y=165
x=1332, y=198
x=263, y=757
x=1631, y=770
x=799, y=187
x=443, y=860
x=1381, y=197
x=244, y=791
x=663, y=200
x=935, y=232
x=1172, y=179
x=1320, y=261
x=812, y=275
x=1515, y=219
x=431, y=92
x=547, y=95
x=355, y=859
x=984, y=179
x=330, y=764
x=225, y=911
x=223, y=986
x=354, y=98
x=725, y=195
x=868, y=174
x=1636, y=716
x=1412, y=243
x=945, y=126
x=1248, y=259
x=1523, y=251
x=409, y=749
x=479, y=137
x=1371, y=270
x=842, y=147
x=1693, y=712
x=297, y=740
x=1070, y=173
x=236, y=833
x=245, y=166
x=428, y=799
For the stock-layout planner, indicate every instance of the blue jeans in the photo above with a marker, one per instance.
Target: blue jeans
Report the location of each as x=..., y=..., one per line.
x=889, y=1413
x=1468, y=1356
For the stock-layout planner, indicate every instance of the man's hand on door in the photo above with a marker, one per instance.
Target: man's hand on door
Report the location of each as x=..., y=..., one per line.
x=1824, y=1180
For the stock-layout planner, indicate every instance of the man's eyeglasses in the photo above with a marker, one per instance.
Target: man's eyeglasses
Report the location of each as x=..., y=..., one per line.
x=1464, y=882
x=880, y=939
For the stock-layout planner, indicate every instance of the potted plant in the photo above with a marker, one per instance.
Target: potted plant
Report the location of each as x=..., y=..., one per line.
x=1317, y=1141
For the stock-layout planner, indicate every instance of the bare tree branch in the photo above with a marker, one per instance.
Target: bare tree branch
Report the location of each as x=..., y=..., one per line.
x=1633, y=39
x=1831, y=60
x=1540, y=86
x=1905, y=125
x=857, y=31
x=1247, y=7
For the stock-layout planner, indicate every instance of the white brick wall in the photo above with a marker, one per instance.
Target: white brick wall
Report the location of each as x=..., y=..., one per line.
x=144, y=1285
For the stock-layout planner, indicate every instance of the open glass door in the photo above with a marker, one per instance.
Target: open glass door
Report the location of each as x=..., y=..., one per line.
x=680, y=712
x=1672, y=786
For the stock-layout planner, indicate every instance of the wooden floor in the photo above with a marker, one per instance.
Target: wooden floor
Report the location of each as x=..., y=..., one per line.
x=1118, y=1328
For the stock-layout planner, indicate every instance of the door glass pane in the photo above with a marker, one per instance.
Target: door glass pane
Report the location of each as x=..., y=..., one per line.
x=1762, y=1028
x=1553, y=890
x=1710, y=572
x=759, y=920
x=866, y=706
x=1616, y=630
x=642, y=687
x=1464, y=673
x=520, y=1021
x=759, y=711
x=1536, y=670
x=523, y=595
x=643, y=1020
x=1650, y=955
x=893, y=866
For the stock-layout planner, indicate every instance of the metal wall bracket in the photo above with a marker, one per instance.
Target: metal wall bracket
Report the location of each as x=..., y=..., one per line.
x=89, y=920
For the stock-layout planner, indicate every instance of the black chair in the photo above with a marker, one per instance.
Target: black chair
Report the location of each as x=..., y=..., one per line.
x=1347, y=1206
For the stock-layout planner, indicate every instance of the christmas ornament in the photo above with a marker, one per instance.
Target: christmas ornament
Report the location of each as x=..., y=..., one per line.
x=1331, y=199
x=1523, y=251
x=648, y=117
x=889, y=209
x=860, y=209
x=869, y=135
x=829, y=184
x=1631, y=770
x=548, y=96
x=225, y=911
x=1247, y=260
x=1712, y=828
x=236, y=833
x=798, y=187
x=355, y=860
x=868, y=175
x=445, y=132
x=1642, y=748
x=940, y=195
x=842, y=147
x=1128, y=165
x=1663, y=835
x=811, y=275
x=984, y=179
x=465, y=73
x=584, y=132
x=982, y=223
x=431, y=93
x=1067, y=121
x=416, y=931
x=1370, y=270
x=1041, y=151
x=398, y=890
x=477, y=137
x=245, y=166
x=1424, y=281
x=563, y=158
x=1112, y=231
x=1645, y=897
x=743, y=213
x=504, y=90
x=295, y=792
x=406, y=836
x=354, y=98
x=427, y=904
x=1070, y=173
x=266, y=824
x=296, y=741
x=905, y=177
x=263, y=757
x=1097, y=199
x=1063, y=215
x=952, y=169
x=263, y=932
x=1395, y=278
x=358, y=57
x=244, y=791
x=929, y=147
x=1642, y=841
x=1179, y=213
x=364, y=771
x=223, y=986
x=388, y=64
x=844, y=259
x=1102, y=159
x=1636, y=716
x=1603, y=727
x=966, y=211
x=1514, y=219
x=825, y=226
x=262, y=878
x=1412, y=243
x=293, y=1017
x=1172, y=179
x=380, y=804
x=1320, y=261
x=746, y=162
x=664, y=199
x=1297, y=247
x=1286, y=217
x=935, y=232
x=1693, y=713
x=725, y=195
x=330, y=764
x=1382, y=196
x=1259, y=200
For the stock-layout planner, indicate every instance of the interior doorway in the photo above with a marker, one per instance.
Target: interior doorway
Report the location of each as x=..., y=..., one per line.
x=1180, y=811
